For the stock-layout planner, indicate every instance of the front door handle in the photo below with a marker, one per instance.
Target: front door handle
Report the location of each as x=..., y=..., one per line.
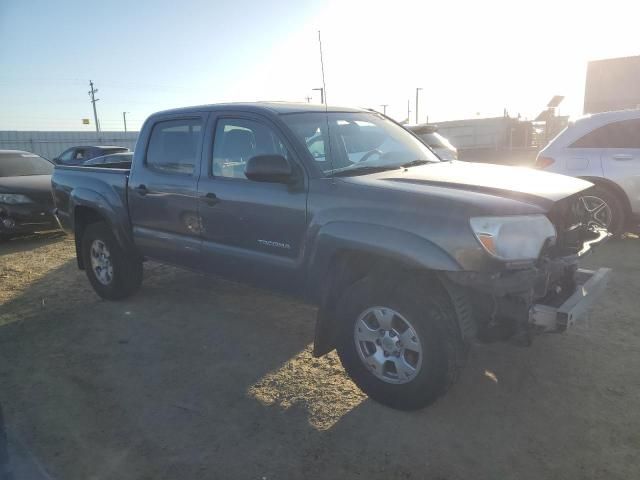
x=211, y=198
x=623, y=156
x=141, y=190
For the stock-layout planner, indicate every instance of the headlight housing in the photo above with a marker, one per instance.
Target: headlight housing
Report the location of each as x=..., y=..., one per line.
x=517, y=237
x=14, y=199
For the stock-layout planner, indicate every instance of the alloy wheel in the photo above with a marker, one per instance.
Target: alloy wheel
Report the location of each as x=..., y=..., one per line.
x=101, y=262
x=388, y=345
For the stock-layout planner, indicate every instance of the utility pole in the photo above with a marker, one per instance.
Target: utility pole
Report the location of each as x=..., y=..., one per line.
x=384, y=108
x=92, y=94
x=417, y=90
x=308, y=98
x=408, y=110
x=321, y=94
x=124, y=118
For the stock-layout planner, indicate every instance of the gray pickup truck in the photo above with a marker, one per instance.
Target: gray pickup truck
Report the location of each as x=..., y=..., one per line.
x=409, y=258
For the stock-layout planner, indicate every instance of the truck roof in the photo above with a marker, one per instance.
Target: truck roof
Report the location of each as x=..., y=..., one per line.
x=280, y=108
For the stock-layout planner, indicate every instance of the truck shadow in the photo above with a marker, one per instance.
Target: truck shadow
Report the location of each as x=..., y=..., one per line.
x=197, y=377
x=25, y=243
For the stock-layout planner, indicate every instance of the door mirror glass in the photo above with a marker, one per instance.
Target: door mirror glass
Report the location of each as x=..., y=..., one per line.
x=269, y=168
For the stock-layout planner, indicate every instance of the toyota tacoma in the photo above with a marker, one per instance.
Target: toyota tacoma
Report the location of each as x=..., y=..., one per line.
x=410, y=259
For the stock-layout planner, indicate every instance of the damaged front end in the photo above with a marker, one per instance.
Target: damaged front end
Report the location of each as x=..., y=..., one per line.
x=547, y=295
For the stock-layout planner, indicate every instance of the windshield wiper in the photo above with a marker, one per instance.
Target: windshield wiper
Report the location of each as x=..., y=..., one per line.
x=361, y=170
x=415, y=163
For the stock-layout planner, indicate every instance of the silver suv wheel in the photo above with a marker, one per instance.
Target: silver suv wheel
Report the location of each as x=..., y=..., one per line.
x=388, y=345
x=597, y=210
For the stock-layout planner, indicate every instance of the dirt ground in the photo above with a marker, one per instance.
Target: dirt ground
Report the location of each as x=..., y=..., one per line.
x=201, y=378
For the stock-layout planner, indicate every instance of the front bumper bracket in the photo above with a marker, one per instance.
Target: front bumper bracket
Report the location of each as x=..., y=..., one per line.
x=590, y=285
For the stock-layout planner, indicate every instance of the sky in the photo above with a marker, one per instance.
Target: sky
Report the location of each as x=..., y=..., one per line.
x=471, y=58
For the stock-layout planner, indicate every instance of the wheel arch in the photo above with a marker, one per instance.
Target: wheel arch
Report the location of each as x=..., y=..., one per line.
x=614, y=188
x=89, y=207
x=346, y=261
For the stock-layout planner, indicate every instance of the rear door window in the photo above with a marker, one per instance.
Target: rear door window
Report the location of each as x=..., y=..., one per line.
x=624, y=134
x=174, y=146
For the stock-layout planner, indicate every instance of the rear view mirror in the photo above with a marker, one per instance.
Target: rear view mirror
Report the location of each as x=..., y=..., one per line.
x=269, y=168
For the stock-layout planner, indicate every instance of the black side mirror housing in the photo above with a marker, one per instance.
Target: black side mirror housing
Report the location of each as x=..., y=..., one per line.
x=269, y=168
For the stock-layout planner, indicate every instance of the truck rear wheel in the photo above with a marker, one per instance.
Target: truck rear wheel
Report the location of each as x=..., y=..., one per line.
x=400, y=345
x=112, y=272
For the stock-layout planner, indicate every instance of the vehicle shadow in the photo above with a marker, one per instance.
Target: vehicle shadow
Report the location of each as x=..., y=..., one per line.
x=27, y=242
x=203, y=378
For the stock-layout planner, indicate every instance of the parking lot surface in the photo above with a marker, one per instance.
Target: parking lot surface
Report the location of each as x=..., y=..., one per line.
x=201, y=378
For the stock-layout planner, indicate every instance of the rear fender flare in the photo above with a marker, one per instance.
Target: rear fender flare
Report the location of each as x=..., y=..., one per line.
x=110, y=208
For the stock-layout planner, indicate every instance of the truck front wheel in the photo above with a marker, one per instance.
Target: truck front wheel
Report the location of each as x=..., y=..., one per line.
x=113, y=273
x=399, y=344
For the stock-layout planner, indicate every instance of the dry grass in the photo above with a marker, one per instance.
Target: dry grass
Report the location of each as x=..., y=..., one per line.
x=25, y=261
x=320, y=386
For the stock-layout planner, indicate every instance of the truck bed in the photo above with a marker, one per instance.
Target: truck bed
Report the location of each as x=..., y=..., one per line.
x=108, y=183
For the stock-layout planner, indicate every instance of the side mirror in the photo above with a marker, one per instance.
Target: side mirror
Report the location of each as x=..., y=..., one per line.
x=56, y=160
x=269, y=168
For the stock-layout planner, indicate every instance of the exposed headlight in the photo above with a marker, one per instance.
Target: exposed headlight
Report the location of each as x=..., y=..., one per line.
x=518, y=237
x=14, y=198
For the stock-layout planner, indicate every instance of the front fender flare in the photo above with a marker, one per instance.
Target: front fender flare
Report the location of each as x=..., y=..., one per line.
x=408, y=249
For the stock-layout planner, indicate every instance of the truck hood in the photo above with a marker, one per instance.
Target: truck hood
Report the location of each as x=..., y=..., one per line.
x=517, y=183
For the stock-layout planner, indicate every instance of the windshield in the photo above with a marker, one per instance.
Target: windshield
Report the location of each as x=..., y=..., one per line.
x=21, y=164
x=358, y=140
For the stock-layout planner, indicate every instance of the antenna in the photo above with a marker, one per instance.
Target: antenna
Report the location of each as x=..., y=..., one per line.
x=326, y=109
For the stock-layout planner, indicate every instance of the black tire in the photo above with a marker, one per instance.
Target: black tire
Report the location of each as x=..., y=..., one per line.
x=618, y=222
x=430, y=313
x=127, y=268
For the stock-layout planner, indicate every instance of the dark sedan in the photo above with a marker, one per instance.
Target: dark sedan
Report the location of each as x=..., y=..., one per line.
x=79, y=155
x=26, y=202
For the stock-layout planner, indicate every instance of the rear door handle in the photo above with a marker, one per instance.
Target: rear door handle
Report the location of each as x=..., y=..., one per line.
x=623, y=156
x=141, y=190
x=211, y=198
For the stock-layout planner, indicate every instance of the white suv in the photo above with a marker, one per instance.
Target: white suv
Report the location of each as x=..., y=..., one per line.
x=603, y=148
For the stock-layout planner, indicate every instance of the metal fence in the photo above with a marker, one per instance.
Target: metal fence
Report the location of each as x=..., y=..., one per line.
x=52, y=144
